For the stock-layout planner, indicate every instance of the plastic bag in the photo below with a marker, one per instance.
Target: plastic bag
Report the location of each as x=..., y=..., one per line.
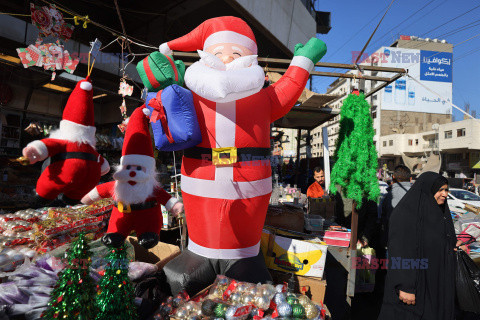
x=467, y=283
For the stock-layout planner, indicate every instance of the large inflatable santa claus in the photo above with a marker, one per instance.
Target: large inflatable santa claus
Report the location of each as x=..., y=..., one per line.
x=74, y=165
x=137, y=192
x=225, y=193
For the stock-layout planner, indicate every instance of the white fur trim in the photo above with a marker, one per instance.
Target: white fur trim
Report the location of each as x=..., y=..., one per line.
x=146, y=112
x=94, y=195
x=165, y=49
x=138, y=159
x=85, y=85
x=40, y=147
x=170, y=203
x=75, y=132
x=302, y=62
x=105, y=168
x=230, y=37
x=212, y=253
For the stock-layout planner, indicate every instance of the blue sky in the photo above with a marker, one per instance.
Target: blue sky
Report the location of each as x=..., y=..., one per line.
x=353, y=22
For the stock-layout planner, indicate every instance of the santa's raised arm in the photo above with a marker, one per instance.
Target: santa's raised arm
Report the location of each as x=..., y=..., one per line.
x=225, y=193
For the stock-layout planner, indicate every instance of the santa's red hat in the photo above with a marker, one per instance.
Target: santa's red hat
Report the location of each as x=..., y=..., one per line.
x=137, y=145
x=214, y=31
x=78, y=117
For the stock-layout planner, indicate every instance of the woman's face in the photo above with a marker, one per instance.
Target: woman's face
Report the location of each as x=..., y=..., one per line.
x=441, y=194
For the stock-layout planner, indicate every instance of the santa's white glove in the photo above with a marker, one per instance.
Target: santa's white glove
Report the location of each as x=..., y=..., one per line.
x=86, y=199
x=32, y=154
x=177, y=209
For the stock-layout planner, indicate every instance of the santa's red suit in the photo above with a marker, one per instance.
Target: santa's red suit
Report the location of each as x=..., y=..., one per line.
x=225, y=206
x=74, y=166
x=144, y=217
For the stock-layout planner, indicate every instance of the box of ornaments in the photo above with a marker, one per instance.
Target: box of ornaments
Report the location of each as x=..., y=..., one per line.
x=229, y=299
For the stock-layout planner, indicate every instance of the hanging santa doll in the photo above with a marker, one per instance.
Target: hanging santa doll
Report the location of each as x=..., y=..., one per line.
x=74, y=165
x=136, y=190
x=225, y=193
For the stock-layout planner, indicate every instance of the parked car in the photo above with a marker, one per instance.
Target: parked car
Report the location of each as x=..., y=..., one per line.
x=457, y=198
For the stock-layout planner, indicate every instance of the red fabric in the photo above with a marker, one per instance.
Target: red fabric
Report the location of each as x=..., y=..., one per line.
x=195, y=39
x=79, y=107
x=225, y=224
x=232, y=224
x=158, y=113
x=72, y=177
x=137, y=137
x=141, y=221
x=315, y=190
x=148, y=71
x=172, y=64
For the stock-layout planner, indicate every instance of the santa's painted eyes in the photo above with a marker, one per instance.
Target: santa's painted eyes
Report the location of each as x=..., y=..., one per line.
x=218, y=53
x=128, y=167
x=139, y=168
x=237, y=54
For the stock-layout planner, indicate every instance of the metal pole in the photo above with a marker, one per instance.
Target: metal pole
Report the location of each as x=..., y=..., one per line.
x=326, y=158
x=354, y=227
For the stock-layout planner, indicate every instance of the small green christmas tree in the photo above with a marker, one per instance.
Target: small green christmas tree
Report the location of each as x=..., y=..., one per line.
x=73, y=295
x=115, y=296
x=355, y=169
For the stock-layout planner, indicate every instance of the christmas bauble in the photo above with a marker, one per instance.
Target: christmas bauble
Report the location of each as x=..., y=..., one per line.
x=268, y=290
x=279, y=298
x=236, y=297
x=241, y=287
x=304, y=300
x=220, y=310
x=262, y=302
x=292, y=300
x=284, y=310
x=229, y=315
x=222, y=281
x=208, y=307
x=181, y=313
x=248, y=298
x=298, y=311
x=311, y=311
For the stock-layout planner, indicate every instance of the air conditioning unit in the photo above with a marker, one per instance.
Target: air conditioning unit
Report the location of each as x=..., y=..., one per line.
x=323, y=21
x=428, y=39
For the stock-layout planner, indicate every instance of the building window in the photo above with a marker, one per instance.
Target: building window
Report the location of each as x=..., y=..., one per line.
x=416, y=142
x=410, y=142
x=461, y=132
x=384, y=143
x=374, y=114
x=448, y=134
x=390, y=142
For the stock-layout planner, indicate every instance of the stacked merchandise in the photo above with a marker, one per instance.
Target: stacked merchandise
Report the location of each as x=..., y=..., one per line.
x=28, y=231
x=229, y=299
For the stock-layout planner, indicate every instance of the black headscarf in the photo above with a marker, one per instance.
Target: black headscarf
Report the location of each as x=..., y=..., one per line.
x=420, y=229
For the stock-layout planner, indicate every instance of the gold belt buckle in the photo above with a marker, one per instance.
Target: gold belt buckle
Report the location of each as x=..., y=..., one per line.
x=224, y=156
x=124, y=209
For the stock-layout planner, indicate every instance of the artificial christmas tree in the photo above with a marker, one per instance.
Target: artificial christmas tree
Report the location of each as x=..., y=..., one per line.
x=73, y=296
x=355, y=169
x=115, y=296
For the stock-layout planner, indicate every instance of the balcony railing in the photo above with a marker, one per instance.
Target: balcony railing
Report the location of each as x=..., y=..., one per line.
x=430, y=146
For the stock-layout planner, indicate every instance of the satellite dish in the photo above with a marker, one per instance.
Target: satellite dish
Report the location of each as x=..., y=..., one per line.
x=435, y=126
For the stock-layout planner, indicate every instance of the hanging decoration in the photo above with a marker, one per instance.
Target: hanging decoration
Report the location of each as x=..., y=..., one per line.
x=50, y=22
x=50, y=56
x=356, y=167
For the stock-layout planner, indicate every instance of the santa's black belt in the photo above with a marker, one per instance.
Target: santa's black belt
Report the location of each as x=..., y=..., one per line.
x=74, y=155
x=230, y=155
x=125, y=208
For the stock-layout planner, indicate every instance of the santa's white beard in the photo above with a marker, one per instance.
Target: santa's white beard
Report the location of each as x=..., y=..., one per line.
x=138, y=193
x=217, y=82
x=74, y=132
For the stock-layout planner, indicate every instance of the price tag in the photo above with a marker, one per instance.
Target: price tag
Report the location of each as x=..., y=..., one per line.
x=95, y=48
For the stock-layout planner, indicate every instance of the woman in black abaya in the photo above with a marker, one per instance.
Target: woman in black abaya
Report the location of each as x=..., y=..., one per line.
x=420, y=281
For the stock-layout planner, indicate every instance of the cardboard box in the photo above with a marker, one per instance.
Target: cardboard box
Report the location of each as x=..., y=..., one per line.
x=301, y=257
x=313, y=288
x=159, y=255
x=335, y=238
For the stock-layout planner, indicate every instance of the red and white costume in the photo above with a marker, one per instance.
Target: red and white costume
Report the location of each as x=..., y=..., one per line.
x=225, y=206
x=75, y=166
x=138, y=207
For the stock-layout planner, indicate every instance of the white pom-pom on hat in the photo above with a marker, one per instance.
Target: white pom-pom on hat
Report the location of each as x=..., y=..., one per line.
x=85, y=85
x=165, y=49
x=146, y=112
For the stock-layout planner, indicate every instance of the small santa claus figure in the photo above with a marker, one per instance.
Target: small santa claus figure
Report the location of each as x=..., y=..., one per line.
x=74, y=166
x=137, y=192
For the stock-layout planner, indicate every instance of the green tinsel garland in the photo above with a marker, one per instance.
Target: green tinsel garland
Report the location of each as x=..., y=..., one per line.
x=356, y=167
